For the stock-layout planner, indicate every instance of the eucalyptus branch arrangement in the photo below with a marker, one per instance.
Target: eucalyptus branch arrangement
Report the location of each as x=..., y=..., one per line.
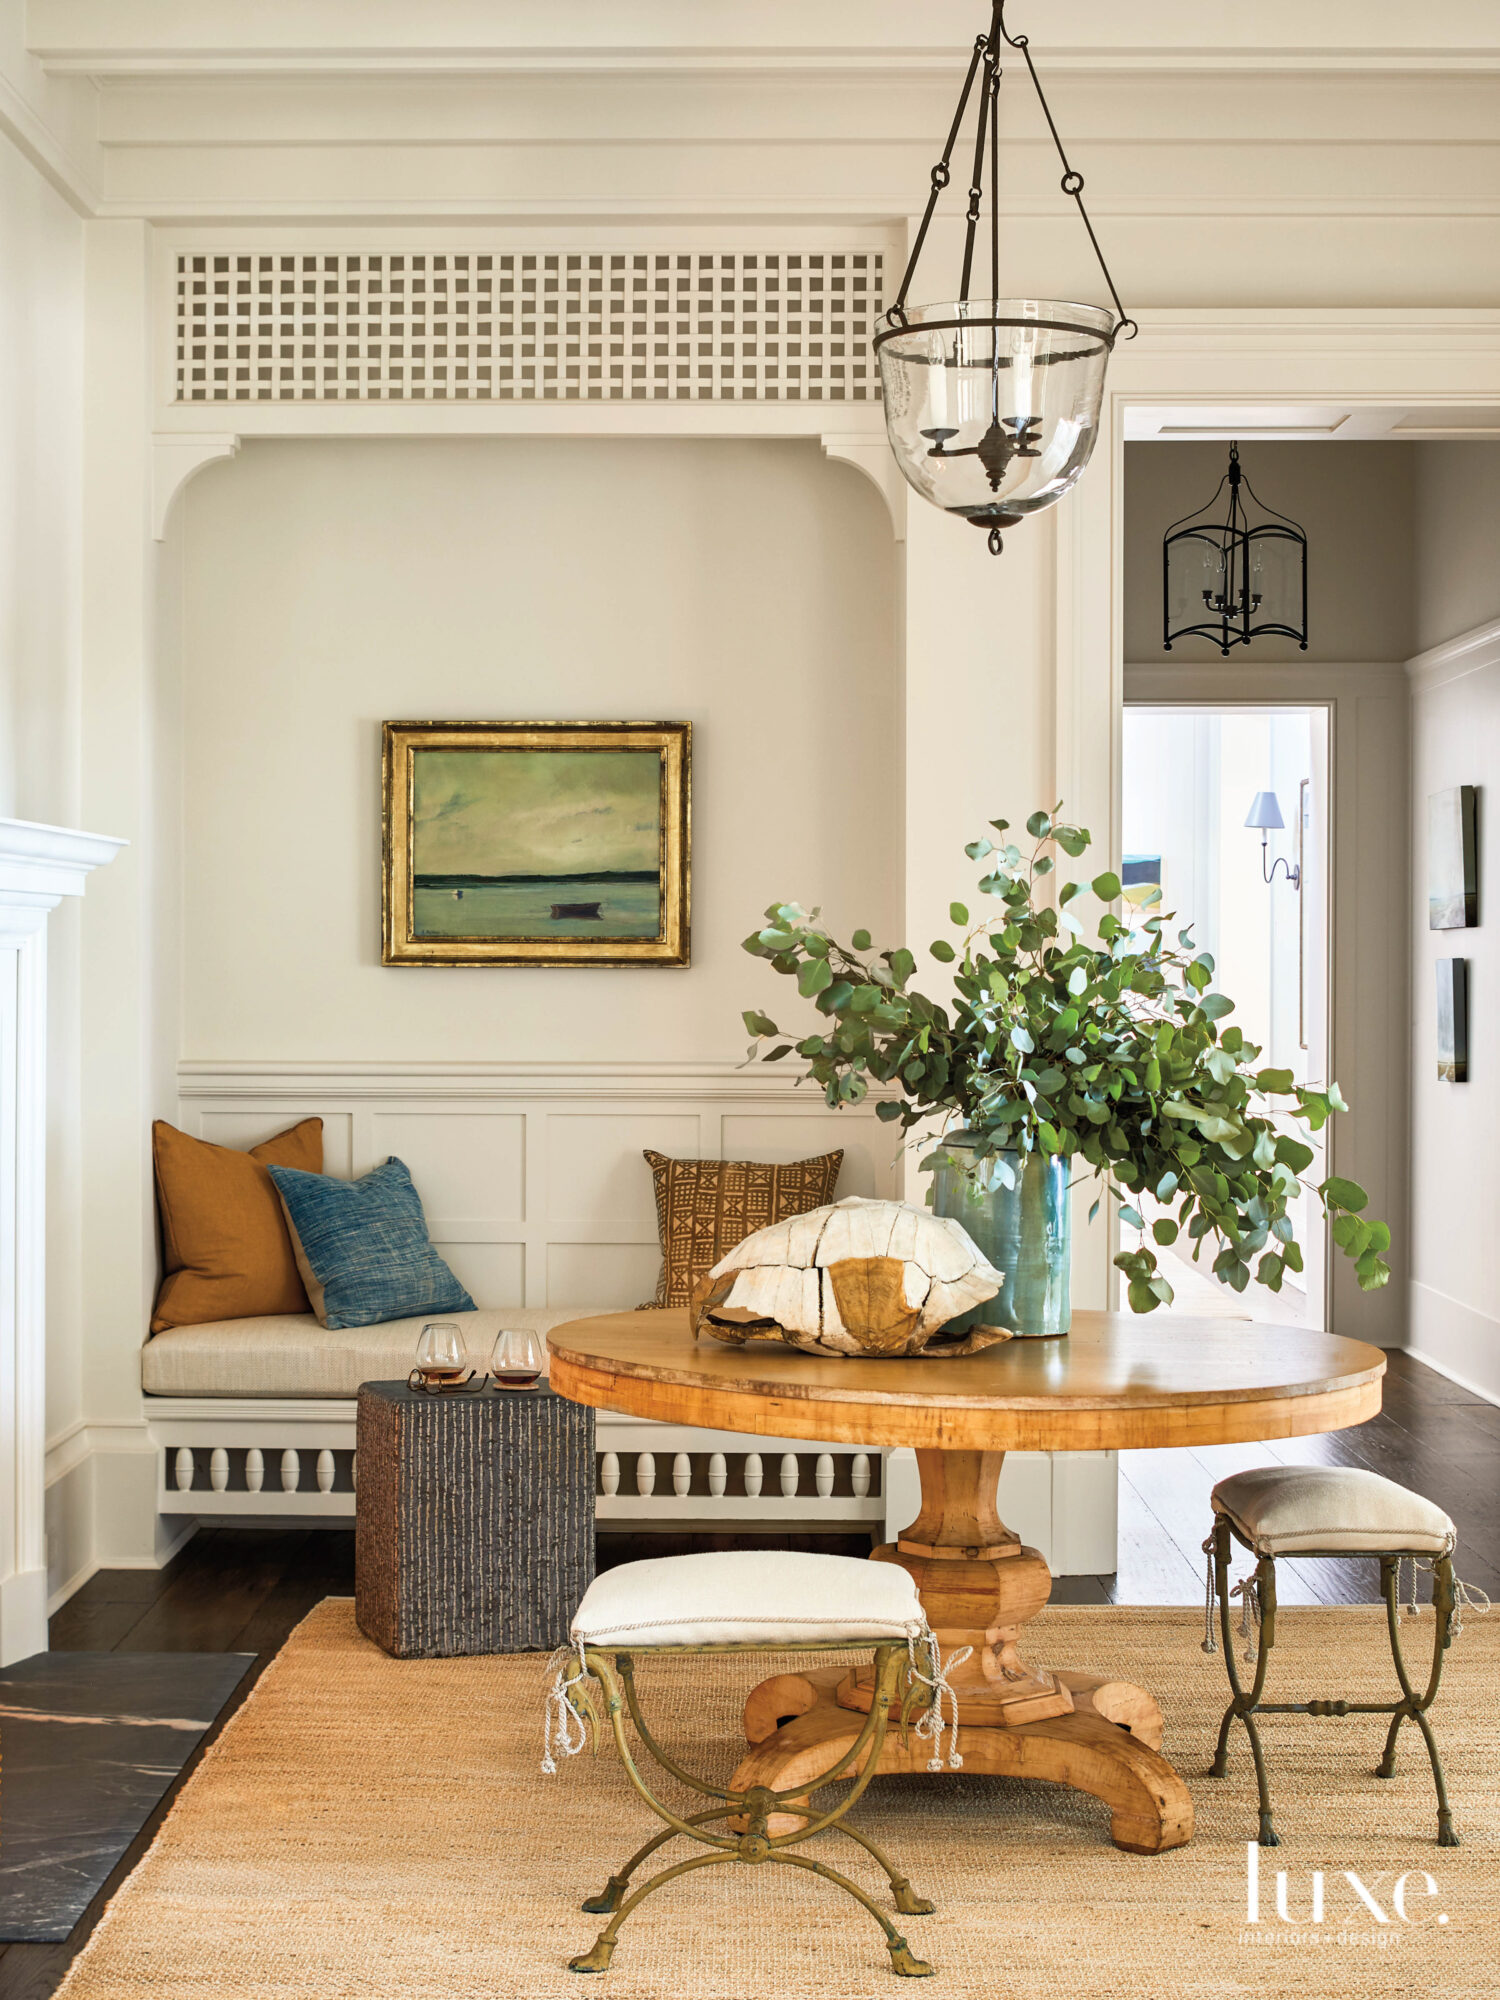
x=1111, y=1052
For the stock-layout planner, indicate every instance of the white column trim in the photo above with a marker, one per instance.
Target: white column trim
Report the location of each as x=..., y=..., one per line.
x=39, y=865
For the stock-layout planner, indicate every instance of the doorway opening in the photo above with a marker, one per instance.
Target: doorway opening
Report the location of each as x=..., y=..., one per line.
x=1216, y=799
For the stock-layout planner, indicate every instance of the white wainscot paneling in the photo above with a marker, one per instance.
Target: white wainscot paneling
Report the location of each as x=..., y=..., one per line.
x=532, y=1178
x=466, y=1162
x=244, y=1129
x=615, y=1276
x=799, y=1135
x=595, y=1169
x=494, y=1274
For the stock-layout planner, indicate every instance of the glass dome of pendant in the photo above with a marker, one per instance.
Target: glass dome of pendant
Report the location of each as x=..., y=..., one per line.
x=992, y=405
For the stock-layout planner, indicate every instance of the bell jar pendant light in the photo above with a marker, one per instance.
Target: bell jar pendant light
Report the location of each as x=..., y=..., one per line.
x=1235, y=578
x=992, y=404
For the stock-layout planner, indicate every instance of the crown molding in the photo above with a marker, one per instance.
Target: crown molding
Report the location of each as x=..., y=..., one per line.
x=1472, y=652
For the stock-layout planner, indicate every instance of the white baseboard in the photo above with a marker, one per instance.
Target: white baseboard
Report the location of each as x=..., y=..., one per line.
x=1451, y=1375
x=1458, y=1340
x=92, y=1567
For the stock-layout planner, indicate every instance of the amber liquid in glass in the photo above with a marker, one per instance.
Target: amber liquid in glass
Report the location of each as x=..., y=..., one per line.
x=517, y=1378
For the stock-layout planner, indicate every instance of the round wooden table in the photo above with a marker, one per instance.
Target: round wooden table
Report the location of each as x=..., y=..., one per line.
x=1116, y=1382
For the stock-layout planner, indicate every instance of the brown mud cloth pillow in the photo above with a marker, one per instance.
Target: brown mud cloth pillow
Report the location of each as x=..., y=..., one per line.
x=226, y=1253
x=705, y=1207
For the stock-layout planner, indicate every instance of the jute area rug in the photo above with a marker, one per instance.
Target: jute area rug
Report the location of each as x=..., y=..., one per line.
x=372, y=1827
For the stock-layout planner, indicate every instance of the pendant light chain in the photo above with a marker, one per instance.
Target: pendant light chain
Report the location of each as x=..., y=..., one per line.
x=986, y=52
x=942, y=174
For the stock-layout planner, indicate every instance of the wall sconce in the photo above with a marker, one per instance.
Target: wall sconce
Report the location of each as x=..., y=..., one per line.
x=1266, y=813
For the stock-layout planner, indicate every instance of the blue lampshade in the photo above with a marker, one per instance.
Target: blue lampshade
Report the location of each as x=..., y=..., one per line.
x=1265, y=812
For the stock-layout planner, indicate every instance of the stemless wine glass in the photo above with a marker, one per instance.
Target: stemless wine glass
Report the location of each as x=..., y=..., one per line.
x=441, y=1354
x=516, y=1362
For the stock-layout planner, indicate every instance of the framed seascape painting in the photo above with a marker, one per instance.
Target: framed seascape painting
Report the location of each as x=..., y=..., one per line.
x=537, y=843
x=1452, y=860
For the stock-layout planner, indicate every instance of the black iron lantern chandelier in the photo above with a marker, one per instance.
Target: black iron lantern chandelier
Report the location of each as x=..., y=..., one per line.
x=992, y=404
x=1234, y=576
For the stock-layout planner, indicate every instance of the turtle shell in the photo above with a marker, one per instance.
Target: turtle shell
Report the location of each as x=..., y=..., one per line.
x=858, y=1277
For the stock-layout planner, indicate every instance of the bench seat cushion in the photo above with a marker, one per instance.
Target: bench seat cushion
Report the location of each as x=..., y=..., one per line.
x=748, y=1597
x=292, y=1355
x=1281, y=1509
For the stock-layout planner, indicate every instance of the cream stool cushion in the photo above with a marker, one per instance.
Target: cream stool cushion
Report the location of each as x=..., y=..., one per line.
x=1281, y=1509
x=748, y=1597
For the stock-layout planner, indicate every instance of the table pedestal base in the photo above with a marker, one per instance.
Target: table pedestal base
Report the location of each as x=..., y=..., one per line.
x=979, y=1588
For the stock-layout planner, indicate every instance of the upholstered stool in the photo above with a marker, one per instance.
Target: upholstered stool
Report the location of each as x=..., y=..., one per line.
x=1329, y=1510
x=748, y=1601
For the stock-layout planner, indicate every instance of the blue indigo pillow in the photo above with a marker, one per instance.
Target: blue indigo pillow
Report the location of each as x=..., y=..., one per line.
x=362, y=1247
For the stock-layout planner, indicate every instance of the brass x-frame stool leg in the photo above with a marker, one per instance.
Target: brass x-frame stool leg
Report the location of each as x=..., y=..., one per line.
x=1247, y=1703
x=753, y=1843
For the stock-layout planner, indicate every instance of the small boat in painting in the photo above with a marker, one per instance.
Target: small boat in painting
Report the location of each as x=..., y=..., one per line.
x=584, y=910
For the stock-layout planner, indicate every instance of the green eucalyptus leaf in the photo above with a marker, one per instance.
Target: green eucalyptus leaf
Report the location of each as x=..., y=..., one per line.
x=861, y=940
x=1346, y=1194
x=1106, y=886
x=1372, y=1272
x=958, y=913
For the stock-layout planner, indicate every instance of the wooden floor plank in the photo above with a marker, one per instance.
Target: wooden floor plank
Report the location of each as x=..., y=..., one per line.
x=1151, y=1568
x=210, y=1602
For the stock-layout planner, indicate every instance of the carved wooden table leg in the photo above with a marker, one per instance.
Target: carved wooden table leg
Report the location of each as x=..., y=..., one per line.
x=980, y=1588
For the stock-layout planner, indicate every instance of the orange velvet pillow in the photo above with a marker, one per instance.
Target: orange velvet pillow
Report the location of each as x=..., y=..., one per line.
x=225, y=1245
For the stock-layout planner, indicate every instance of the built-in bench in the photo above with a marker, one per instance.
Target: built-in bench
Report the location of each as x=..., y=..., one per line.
x=254, y=1418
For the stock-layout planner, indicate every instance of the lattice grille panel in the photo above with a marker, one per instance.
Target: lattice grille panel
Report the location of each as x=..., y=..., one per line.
x=610, y=326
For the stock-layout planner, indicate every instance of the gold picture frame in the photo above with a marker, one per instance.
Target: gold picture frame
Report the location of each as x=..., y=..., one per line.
x=560, y=843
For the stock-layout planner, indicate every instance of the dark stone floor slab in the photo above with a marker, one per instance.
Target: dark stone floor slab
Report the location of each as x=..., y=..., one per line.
x=89, y=1742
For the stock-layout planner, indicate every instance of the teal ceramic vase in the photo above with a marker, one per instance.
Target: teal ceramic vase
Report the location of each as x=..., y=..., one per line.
x=1023, y=1230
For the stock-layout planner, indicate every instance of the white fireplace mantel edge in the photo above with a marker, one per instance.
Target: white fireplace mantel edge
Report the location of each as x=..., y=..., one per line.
x=39, y=866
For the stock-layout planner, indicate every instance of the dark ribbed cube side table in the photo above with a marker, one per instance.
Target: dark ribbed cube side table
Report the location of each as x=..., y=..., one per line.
x=474, y=1520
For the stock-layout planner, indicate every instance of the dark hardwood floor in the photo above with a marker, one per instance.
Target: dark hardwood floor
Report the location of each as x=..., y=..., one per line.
x=243, y=1590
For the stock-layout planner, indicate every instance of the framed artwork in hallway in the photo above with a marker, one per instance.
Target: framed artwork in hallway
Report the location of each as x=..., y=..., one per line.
x=1453, y=1020
x=537, y=843
x=1452, y=859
